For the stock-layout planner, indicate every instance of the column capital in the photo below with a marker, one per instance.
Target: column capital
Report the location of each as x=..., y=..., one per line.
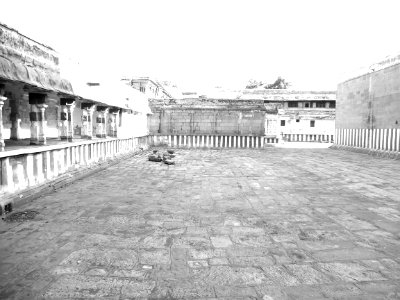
x=2, y=99
x=70, y=106
x=42, y=107
x=88, y=106
x=114, y=110
x=67, y=101
x=102, y=109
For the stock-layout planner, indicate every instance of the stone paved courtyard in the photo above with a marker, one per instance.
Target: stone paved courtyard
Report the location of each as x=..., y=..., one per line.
x=230, y=224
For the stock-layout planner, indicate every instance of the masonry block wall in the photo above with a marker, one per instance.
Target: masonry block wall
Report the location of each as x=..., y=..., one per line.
x=207, y=117
x=368, y=108
x=370, y=101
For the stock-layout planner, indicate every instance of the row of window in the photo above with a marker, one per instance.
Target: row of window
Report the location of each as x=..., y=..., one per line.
x=312, y=122
x=319, y=104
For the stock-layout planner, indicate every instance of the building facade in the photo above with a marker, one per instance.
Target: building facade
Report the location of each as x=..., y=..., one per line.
x=368, y=108
x=300, y=116
x=38, y=104
x=151, y=88
x=48, y=128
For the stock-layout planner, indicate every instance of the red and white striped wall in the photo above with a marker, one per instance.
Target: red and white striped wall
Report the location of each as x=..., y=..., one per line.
x=327, y=138
x=212, y=141
x=383, y=139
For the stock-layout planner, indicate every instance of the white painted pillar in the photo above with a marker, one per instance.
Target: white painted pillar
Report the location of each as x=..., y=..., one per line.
x=86, y=153
x=362, y=140
x=202, y=141
x=47, y=168
x=67, y=158
x=39, y=167
x=397, y=148
x=384, y=142
x=390, y=142
x=7, y=178
x=31, y=180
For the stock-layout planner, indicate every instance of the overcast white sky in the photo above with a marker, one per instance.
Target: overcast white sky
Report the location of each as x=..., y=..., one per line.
x=310, y=43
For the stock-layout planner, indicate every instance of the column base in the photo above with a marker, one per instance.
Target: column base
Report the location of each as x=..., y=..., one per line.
x=69, y=139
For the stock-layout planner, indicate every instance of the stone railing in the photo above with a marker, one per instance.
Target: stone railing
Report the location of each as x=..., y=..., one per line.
x=376, y=140
x=28, y=167
x=321, y=138
x=212, y=141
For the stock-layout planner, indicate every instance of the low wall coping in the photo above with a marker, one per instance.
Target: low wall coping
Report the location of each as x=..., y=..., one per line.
x=38, y=149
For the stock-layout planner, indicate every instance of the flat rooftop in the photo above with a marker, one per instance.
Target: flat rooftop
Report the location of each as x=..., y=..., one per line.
x=228, y=224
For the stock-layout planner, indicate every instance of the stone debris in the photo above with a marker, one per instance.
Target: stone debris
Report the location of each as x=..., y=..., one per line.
x=166, y=157
x=21, y=216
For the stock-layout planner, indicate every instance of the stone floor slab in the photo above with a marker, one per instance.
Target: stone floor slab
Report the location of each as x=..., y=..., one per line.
x=232, y=224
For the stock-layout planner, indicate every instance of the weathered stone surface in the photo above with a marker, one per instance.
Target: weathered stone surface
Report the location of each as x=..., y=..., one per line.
x=211, y=230
x=351, y=272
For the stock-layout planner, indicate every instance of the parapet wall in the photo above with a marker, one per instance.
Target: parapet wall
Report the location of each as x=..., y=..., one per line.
x=368, y=109
x=28, y=168
x=207, y=117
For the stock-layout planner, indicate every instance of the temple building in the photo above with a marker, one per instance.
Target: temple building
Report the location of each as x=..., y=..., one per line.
x=300, y=116
x=37, y=104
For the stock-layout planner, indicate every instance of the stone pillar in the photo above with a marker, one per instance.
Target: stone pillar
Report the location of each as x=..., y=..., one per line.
x=87, y=120
x=2, y=99
x=15, y=119
x=70, y=110
x=37, y=118
x=42, y=124
x=64, y=123
x=113, y=122
x=67, y=114
x=101, y=121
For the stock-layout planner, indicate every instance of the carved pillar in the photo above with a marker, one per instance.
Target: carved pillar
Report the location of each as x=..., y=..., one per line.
x=64, y=123
x=2, y=99
x=15, y=119
x=101, y=121
x=42, y=124
x=67, y=110
x=37, y=117
x=70, y=110
x=87, y=120
x=113, y=122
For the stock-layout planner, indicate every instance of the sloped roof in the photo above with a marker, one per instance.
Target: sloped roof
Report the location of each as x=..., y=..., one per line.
x=25, y=60
x=15, y=71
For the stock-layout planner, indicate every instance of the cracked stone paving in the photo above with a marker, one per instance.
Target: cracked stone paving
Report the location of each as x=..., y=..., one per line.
x=220, y=224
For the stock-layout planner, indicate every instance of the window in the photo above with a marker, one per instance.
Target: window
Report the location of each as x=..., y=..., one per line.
x=307, y=104
x=297, y=120
x=320, y=104
x=283, y=122
x=293, y=104
x=332, y=104
x=312, y=123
